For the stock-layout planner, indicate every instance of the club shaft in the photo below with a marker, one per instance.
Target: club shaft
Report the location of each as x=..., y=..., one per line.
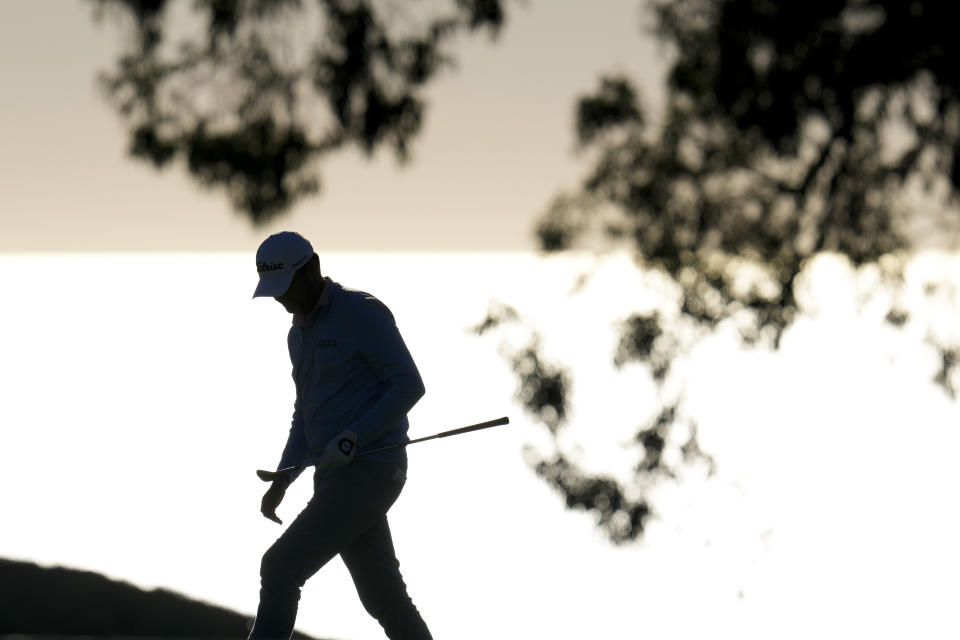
x=271, y=475
x=442, y=434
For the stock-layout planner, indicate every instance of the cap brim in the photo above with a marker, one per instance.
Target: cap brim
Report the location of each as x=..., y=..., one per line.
x=273, y=286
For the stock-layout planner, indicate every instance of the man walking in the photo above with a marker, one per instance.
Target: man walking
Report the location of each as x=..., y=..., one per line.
x=355, y=383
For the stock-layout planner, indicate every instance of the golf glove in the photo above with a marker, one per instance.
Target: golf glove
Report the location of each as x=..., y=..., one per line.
x=338, y=452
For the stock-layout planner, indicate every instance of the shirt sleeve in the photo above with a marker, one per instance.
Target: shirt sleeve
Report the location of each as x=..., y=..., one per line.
x=384, y=350
x=295, y=451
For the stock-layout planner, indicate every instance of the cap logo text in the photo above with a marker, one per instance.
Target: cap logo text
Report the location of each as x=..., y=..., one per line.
x=269, y=266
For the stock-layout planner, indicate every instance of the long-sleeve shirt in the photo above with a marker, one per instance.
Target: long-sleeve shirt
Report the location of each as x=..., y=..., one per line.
x=352, y=370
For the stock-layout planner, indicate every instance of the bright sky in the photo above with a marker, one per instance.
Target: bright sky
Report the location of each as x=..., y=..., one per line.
x=139, y=423
x=497, y=144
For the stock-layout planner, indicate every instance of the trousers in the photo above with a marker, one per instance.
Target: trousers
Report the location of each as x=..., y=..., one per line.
x=347, y=515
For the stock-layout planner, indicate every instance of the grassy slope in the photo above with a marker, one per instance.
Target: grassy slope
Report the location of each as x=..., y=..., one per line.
x=57, y=601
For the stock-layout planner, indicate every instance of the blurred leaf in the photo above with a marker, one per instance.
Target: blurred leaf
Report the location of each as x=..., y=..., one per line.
x=789, y=131
x=252, y=93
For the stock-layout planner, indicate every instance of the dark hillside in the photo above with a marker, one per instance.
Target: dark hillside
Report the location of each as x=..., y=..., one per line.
x=56, y=601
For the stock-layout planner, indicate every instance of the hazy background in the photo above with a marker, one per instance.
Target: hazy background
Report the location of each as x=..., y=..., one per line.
x=68, y=184
x=141, y=386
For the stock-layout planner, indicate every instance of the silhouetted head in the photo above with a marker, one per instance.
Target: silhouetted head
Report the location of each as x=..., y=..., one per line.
x=289, y=272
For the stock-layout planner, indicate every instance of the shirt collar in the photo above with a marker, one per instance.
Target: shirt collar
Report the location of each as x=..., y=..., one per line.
x=301, y=320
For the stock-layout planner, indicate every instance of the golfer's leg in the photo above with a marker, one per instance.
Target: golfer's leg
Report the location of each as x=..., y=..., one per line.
x=342, y=507
x=300, y=552
x=372, y=562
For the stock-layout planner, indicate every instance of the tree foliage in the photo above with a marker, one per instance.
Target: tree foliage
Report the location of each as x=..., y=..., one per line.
x=250, y=94
x=789, y=130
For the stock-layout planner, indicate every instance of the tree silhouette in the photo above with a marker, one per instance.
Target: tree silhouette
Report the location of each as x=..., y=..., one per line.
x=252, y=93
x=790, y=130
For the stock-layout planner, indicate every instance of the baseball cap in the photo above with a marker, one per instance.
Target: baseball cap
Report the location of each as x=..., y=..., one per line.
x=278, y=258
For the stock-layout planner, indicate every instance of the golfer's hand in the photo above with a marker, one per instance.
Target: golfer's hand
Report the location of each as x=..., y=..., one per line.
x=338, y=452
x=273, y=497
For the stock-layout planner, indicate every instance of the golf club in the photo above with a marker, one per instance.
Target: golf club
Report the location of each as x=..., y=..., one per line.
x=268, y=476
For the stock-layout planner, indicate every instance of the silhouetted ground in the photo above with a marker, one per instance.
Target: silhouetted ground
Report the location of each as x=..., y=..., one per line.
x=46, y=603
